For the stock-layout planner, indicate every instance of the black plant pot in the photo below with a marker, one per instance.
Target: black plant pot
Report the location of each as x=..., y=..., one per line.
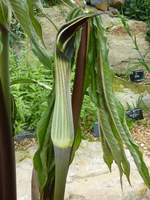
x=95, y=130
x=137, y=76
x=136, y=114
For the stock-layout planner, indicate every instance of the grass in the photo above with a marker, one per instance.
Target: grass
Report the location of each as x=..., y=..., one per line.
x=30, y=83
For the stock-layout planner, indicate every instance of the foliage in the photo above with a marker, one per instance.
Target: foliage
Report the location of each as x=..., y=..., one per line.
x=7, y=171
x=47, y=3
x=98, y=81
x=24, y=12
x=16, y=32
x=30, y=86
x=137, y=9
x=30, y=96
x=58, y=132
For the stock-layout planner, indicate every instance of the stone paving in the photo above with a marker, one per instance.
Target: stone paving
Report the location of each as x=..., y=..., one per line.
x=88, y=178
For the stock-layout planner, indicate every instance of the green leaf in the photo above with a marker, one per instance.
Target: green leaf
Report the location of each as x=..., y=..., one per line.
x=103, y=97
x=35, y=21
x=42, y=54
x=76, y=143
x=1, y=47
x=23, y=11
x=5, y=14
x=44, y=156
x=133, y=147
x=112, y=115
x=107, y=154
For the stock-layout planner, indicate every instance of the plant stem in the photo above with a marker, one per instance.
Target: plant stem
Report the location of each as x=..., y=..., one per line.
x=4, y=69
x=62, y=159
x=35, y=193
x=7, y=156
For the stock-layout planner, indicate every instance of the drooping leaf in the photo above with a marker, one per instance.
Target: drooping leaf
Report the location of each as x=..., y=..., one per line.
x=99, y=80
x=107, y=154
x=111, y=114
x=109, y=139
x=43, y=158
x=35, y=21
x=133, y=147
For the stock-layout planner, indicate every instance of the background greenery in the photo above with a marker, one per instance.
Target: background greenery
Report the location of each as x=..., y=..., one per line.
x=30, y=80
x=139, y=10
x=47, y=3
x=28, y=86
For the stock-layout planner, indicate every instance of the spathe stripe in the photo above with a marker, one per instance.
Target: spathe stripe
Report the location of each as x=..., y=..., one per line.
x=68, y=30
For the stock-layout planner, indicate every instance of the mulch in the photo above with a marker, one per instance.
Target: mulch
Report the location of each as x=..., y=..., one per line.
x=24, y=144
x=141, y=134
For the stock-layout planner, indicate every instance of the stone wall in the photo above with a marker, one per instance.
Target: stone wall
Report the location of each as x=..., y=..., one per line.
x=122, y=53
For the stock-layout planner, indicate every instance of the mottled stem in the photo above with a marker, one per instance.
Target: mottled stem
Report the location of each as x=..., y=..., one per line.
x=7, y=155
x=62, y=158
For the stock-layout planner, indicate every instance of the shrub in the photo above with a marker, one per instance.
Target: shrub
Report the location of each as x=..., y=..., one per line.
x=29, y=81
x=139, y=10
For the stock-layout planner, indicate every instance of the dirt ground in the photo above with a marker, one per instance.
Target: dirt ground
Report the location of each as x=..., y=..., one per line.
x=88, y=173
x=141, y=134
x=88, y=179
